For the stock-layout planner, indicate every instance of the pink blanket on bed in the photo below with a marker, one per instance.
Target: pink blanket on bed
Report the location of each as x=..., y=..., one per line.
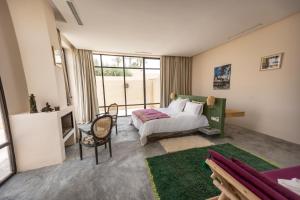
x=149, y=114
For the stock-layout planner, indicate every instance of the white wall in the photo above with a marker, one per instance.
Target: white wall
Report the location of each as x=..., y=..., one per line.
x=52, y=30
x=70, y=65
x=35, y=28
x=11, y=70
x=271, y=99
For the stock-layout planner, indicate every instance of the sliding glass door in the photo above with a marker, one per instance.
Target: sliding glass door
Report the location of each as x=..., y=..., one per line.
x=7, y=160
x=134, y=83
x=131, y=82
x=152, y=82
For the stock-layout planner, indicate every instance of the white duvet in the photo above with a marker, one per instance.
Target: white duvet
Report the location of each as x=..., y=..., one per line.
x=177, y=122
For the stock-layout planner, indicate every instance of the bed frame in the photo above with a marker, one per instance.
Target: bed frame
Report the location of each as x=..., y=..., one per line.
x=217, y=111
x=157, y=136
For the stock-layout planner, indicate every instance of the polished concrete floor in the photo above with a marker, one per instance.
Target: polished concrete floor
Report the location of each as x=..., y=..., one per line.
x=124, y=176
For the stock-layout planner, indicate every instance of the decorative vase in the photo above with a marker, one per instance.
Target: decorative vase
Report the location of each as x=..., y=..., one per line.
x=33, y=108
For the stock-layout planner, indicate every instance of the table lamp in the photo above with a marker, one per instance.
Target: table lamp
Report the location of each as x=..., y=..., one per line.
x=210, y=101
x=172, y=95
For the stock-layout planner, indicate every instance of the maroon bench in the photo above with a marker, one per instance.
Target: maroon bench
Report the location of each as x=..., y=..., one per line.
x=237, y=180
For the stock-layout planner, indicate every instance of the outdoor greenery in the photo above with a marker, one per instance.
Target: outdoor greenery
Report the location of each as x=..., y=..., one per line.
x=112, y=72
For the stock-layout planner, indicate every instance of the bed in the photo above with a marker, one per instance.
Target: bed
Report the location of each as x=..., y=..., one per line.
x=180, y=122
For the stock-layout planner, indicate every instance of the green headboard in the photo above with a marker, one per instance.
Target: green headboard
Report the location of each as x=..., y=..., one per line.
x=217, y=111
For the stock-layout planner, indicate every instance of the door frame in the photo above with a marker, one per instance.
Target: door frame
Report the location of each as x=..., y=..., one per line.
x=7, y=129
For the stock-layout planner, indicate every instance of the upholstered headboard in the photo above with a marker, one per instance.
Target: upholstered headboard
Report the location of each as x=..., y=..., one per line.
x=214, y=114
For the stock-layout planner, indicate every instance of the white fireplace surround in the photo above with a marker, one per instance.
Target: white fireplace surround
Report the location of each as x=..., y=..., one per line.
x=38, y=138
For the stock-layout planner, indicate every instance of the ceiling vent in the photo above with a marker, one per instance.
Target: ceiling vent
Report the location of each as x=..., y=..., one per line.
x=74, y=11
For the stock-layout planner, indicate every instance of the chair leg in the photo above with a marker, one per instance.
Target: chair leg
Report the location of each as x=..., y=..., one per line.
x=80, y=150
x=80, y=145
x=109, y=142
x=105, y=145
x=116, y=129
x=96, y=154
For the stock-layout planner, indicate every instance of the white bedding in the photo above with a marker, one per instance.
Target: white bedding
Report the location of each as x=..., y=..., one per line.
x=177, y=122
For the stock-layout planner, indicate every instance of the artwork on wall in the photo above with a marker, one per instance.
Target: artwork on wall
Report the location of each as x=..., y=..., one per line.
x=271, y=62
x=57, y=56
x=222, y=77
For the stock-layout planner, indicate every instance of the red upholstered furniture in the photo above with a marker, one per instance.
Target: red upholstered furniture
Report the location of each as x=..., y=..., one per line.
x=286, y=173
x=236, y=180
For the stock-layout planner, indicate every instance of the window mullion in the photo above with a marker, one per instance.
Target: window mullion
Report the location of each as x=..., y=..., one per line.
x=103, y=87
x=144, y=83
x=124, y=86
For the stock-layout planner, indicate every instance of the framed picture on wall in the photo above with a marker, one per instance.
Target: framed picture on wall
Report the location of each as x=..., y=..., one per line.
x=271, y=62
x=222, y=77
x=57, y=56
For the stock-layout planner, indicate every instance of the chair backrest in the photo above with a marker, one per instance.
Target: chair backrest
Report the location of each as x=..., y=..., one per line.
x=101, y=127
x=113, y=110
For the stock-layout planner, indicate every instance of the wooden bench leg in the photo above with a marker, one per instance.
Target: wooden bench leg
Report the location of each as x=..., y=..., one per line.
x=213, y=198
x=223, y=197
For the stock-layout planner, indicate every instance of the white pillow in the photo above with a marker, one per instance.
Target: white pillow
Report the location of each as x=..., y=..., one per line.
x=193, y=108
x=181, y=104
x=200, y=102
x=177, y=105
x=172, y=104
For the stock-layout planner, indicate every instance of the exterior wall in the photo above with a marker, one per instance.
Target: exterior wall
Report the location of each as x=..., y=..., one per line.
x=114, y=87
x=11, y=70
x=270, y=98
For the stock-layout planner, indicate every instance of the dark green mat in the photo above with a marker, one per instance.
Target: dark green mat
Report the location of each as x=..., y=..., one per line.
x=183, y=175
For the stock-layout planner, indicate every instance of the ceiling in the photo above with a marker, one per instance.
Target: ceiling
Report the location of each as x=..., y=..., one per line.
x=166, y=27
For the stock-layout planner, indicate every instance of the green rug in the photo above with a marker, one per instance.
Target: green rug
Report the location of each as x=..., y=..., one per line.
x=183, y=175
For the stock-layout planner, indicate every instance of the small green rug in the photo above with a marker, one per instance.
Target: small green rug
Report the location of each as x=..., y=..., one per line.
x=183, y=175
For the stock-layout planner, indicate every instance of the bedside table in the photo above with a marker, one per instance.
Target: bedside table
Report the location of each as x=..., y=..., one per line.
x=209, y=131
x=234, y=113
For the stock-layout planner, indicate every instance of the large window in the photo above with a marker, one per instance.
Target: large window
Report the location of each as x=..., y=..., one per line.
x=131, y=82
x=7, y=159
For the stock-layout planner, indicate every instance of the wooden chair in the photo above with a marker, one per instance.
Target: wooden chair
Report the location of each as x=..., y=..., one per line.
x=230, y=188
x=113, y=111
x=98, y=133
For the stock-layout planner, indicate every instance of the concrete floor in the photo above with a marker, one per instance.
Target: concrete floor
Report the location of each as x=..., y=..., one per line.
x=124, y=176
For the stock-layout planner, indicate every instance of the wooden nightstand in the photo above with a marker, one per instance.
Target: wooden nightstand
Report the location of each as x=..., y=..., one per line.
x=234, y=113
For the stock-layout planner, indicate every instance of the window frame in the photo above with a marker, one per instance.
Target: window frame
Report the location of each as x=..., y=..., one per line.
x=124, y=78
x=7, y=130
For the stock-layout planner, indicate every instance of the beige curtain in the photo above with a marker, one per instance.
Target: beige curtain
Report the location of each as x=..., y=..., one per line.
x=87, y=104
x=176, y=76
x=65, y=71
